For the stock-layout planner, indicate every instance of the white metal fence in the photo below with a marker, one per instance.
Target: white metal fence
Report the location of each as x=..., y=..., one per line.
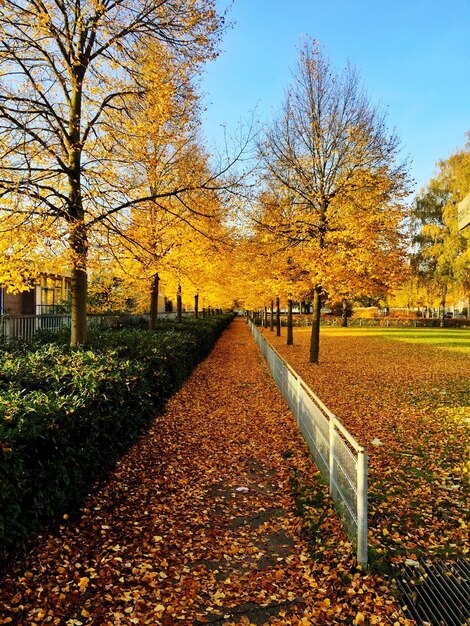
x=338, y=456
x=26, y=326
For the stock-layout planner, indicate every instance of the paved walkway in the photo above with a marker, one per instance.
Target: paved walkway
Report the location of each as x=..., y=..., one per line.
x=197, y=524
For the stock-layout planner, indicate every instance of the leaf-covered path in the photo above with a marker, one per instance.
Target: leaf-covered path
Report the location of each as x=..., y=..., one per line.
x=199, y=523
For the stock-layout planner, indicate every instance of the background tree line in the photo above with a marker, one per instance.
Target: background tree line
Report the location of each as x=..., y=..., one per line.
x=104, y=172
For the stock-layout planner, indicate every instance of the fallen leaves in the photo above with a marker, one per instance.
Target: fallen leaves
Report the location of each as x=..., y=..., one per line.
x=411, y=405
x=197, y=523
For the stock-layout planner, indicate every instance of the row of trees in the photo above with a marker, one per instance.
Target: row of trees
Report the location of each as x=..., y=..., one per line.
x=332, y=221
x=103, y=170
x=101, y=160
x=425, y=257
x=329, y=216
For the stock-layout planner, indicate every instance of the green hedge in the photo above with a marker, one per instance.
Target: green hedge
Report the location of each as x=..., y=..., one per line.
x=398, y=322
x=392, y=322
x=67, y=415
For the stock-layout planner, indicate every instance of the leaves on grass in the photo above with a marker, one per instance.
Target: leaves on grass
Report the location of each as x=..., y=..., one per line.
x=414, y=399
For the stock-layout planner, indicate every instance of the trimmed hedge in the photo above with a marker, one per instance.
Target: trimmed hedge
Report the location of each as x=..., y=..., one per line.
x=67, y=415
x=399, y=322
x=392, y=322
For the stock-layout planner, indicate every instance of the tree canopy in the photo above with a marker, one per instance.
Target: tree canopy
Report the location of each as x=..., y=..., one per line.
x=72, y=75
x=442, y=256
x=339, y=190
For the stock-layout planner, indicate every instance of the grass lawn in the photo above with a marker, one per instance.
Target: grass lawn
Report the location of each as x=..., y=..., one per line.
x=454, y=339
x=410, y=389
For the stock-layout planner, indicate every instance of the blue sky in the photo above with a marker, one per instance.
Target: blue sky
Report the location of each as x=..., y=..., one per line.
x=413, y=57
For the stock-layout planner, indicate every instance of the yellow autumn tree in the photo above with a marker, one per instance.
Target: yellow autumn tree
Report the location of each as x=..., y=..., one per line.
x=335, y=164
x=70, y=76
x=442, y=252
x=176, y=241
x=172, y=235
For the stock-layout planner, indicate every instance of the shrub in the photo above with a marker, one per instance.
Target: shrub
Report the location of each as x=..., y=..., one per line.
x=67, y=415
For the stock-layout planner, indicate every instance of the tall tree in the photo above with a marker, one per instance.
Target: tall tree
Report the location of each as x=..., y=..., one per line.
x=330, y=149
x=442, y=253
x=71, y=73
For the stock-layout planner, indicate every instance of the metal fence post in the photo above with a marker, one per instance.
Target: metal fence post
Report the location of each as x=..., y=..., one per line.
x=362, y=507
x=331, y=457
x=6, y=328
x=299, y=389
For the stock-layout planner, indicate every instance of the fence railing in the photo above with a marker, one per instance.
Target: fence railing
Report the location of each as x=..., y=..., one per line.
x=338, y=456
x=110, y=319
x=25, y=326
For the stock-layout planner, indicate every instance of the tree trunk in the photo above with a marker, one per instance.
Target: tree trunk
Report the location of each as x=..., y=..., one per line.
x=79, y=245
x=443, y=305
x=344, y=313
x=154, y=302
x=78, y=236
x=196, y=306
x=78, y=335
x=278, y=317
x=179, y=305
x=265, y=323
x=271, y=325
x=315, y=337
x=290, y=330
